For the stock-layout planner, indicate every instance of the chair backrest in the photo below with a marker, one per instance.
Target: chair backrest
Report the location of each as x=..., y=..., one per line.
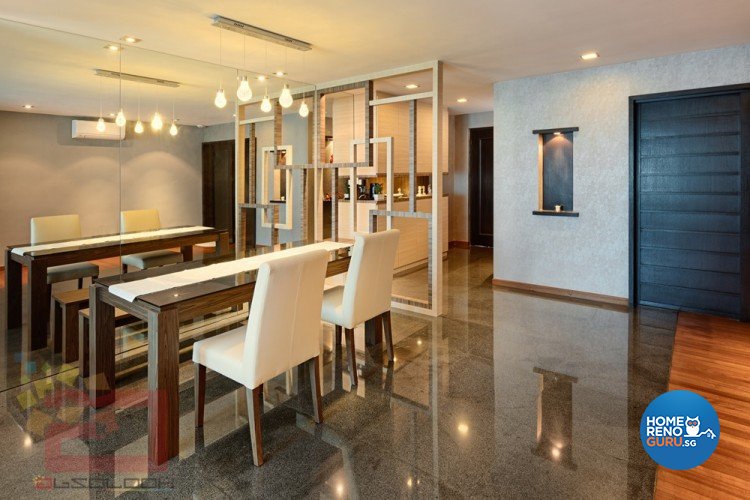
x=367, y=290
x=283, y=329
x=132, y=221
x=55, y=228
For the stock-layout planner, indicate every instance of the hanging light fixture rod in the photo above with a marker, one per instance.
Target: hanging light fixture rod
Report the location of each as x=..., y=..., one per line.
x=256, y=32
x=135, y=78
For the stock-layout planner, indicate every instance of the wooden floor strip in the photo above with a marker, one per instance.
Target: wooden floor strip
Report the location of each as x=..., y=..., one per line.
x=711, y=357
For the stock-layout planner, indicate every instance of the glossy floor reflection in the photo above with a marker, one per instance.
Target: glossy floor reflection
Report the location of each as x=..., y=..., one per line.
x=507, y=395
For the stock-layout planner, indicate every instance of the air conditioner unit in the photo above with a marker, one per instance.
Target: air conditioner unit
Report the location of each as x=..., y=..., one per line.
x=86, y=129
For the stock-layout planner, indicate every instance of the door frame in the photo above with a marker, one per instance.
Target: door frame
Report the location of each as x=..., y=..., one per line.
x=744, y=90
x=471, y=177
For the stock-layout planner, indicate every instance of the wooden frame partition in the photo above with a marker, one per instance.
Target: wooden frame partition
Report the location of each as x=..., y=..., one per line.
x=319, y=164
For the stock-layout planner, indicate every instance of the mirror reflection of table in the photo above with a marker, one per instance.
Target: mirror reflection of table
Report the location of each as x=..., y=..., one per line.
x=38, y=258
x=163, y=310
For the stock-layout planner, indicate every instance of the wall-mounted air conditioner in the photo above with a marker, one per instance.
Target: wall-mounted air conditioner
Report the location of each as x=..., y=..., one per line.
x=86, y=129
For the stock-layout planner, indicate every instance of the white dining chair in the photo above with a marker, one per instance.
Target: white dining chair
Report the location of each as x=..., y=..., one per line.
x=133, y=221
x=283, y=331
x=366, y=293
x=59, y=228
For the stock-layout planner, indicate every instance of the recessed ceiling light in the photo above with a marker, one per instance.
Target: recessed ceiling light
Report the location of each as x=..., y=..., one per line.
x=279, y=73
x=412, y=86
x=28, y=106
x=462, y=100
x=262, y=78
x=112, y=47
x=588, y=56
x=111, y=114
x=130, y=39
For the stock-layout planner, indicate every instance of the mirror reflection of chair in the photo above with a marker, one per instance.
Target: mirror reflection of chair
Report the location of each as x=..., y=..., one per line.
x=133, y=221
x=282, y=332
x=366, y=294
x=59, y=228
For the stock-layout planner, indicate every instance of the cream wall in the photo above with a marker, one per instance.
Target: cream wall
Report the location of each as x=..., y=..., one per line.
x=459, y=178
x=43, y=171
x=589, y=253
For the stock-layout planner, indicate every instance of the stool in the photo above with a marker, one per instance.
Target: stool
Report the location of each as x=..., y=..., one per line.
x=66, y=307
x=121, y=319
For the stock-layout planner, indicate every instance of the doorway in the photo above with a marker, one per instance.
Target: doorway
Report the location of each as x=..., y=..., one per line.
x=690, y=201
x=218, y=188
x=481, y=187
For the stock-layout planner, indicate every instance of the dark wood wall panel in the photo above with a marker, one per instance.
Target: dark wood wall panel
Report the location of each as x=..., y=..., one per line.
x=557, y=171
x=688, y=202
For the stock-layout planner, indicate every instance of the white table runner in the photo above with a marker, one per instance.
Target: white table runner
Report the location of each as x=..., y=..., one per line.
x=113, y=238
x=130, y=291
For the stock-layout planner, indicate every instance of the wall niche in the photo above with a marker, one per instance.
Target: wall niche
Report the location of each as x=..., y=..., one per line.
x=556, y=172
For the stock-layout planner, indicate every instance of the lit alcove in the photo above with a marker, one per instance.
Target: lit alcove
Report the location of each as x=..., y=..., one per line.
x=556, y=172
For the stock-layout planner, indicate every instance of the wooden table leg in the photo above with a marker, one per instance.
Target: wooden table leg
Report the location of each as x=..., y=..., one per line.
x=373, y=332
x=39, y=300
x=187, y=253
x=13, y=290
x=163, y=386
x=101, y=349
x=70, y=332
x=222, y=244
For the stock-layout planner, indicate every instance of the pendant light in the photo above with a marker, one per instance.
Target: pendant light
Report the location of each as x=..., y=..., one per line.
x=173, y=129
x=220, y=100
x=100, y=126
x=244, y=92
x=265, y=105
x=120, y=119
x=303, y=109
x=139, y=124
x=156, y=122
x=286, y=99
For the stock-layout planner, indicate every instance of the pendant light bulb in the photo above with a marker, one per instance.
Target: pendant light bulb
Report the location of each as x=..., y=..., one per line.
x=139, y=127
x=156, y=122
x=285, y=99
x=100, y=126
x=265, y=106
x=221, y=100
x=244, y=92
x=304, y=110
x=173, y=129
x=120, y=120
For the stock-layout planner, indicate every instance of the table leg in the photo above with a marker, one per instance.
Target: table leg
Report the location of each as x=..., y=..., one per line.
x=39, y=300
x=373, y=332
x=187, y=253
x=101, y=349
x=222, y=244
x=70, y=333
x=163, y=386
x=13, y=290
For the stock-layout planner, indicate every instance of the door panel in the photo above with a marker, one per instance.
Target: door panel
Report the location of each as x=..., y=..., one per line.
x=688, y=203
x=481, y=189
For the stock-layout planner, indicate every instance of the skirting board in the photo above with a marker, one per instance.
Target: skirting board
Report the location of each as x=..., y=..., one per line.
x=459, y=244
x=562, y=292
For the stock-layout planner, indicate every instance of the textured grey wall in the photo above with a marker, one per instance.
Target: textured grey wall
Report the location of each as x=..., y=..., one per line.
x=45, y=172
x=589, y=253
x=459, y=200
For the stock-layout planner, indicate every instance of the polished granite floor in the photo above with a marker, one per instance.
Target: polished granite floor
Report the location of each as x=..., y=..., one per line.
x=508, y=395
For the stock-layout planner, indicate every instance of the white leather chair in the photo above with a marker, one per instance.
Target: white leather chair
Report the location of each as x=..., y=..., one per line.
x=366, y=293
x=59, y=228
x=283, y=331
x=133, y=221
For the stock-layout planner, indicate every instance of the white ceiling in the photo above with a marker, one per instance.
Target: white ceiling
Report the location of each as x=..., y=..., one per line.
x=481, y=41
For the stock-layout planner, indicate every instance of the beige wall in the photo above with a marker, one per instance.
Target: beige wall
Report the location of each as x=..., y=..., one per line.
x=589, y=253
x=43, y=171
x=459, y=178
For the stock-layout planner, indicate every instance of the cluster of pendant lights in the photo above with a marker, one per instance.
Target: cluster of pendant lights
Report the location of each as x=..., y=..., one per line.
x=157, y=123
x=245, y=93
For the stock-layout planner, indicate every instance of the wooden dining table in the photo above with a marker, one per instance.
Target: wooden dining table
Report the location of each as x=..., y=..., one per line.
x=163, y=311
x=40, y=257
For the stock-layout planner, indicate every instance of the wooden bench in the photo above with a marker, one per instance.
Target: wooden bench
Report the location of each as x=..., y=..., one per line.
x=121, y=319
x=66, y=307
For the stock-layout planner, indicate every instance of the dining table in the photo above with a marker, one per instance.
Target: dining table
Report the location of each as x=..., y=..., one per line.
x=164, y=298
x=39, y=257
